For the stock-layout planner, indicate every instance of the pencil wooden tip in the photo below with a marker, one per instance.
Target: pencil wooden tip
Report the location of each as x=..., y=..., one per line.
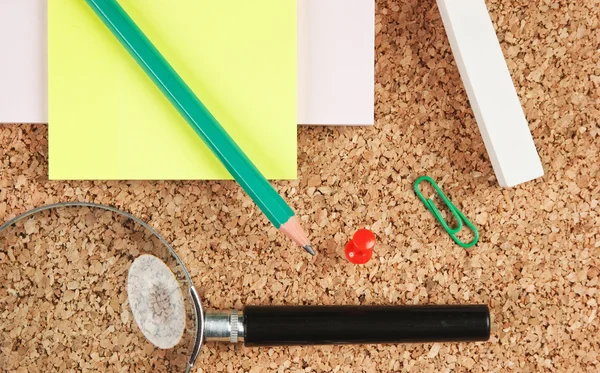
x=310, y=250
x=293, y=230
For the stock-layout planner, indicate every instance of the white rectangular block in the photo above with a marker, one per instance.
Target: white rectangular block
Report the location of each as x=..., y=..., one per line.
x=491, y=91
x=23, y=67
x=336, y=53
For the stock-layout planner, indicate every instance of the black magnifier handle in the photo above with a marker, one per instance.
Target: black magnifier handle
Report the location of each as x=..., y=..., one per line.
x=322, y=325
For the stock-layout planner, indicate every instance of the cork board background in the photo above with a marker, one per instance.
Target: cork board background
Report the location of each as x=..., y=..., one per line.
x=538, y=261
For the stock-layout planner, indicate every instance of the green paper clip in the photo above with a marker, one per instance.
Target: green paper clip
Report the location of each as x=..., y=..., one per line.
x=460, y=218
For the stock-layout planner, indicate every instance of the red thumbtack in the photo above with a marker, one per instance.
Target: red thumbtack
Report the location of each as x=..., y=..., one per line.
x=360, y=248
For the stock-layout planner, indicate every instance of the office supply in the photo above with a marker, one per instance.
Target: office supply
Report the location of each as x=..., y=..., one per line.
x=23, y=72
x=491, y=91
x=359, y=249
x=107, y=121
x=97, y=307
x=335, y=61
x=336, y=53
x=200, y=119
x=458, y=215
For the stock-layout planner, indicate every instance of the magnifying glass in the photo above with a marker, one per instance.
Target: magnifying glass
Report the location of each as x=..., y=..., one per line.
x=88, y=287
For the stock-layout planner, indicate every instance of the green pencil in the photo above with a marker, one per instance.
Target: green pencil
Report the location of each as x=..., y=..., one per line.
x=202, y=121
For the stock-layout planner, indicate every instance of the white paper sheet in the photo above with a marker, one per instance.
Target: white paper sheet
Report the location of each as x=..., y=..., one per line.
x=335, y=62
x=336, y=53
x=23, y=68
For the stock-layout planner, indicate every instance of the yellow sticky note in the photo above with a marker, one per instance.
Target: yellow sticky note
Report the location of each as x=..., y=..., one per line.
x=107, y=119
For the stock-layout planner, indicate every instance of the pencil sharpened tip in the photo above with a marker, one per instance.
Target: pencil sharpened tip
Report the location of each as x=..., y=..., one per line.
x=310, y=250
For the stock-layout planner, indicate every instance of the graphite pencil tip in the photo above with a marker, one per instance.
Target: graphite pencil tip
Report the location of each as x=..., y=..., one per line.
x=310, y=250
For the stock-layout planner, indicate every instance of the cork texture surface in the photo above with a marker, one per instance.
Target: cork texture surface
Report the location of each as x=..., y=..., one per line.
x=537, y=264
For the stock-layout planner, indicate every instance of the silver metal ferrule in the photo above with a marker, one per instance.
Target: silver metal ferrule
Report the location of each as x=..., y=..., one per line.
x=224, y=326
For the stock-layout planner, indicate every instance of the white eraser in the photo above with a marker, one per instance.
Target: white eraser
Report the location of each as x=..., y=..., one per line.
x=336, y=68
x=491, y=91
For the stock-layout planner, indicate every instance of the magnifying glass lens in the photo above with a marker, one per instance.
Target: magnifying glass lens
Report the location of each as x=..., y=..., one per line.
x=64, y=303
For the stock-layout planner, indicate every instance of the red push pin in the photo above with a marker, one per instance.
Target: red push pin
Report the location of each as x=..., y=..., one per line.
x=360, y=248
